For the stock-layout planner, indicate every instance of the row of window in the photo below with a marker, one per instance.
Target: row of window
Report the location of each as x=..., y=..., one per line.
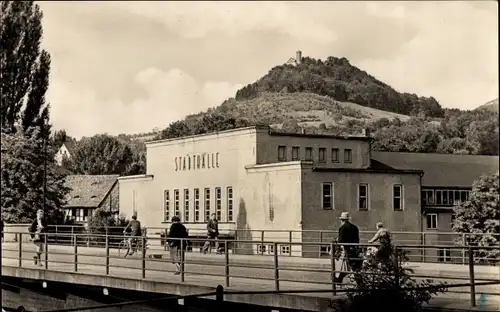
x=308, y=155
x=444, y=197
x=202, y=206
x=79, y=214
x=363, y=203
x=269, y=249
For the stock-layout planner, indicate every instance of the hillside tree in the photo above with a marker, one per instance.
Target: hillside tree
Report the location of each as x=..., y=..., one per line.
x=479, y=217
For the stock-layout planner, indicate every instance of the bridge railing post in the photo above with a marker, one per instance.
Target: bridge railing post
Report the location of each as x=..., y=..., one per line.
x=472, y=277
x=181, y=256
x=143, y=256
x=20, y=249
x=46, y=251
x=219, y=297
x=276, y=268
x=262, y=242
x=332, y=261
x=226, y=254
x=107, y=254
x=290, y=233
x=75, y=253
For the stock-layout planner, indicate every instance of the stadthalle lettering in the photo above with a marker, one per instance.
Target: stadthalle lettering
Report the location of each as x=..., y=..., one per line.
x=197, y=161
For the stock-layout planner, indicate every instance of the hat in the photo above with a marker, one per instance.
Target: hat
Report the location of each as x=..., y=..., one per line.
x=176, y=219
x=344, y=216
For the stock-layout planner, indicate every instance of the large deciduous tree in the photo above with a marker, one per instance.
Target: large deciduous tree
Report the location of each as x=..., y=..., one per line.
x=28, y=166
x=479, y=217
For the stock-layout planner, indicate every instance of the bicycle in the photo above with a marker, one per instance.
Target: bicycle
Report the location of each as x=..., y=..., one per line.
x=128, y=244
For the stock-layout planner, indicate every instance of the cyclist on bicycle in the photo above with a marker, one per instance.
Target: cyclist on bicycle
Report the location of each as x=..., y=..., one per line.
x=135, y=232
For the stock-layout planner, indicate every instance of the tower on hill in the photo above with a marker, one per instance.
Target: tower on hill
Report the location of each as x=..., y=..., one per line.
x=297, y=60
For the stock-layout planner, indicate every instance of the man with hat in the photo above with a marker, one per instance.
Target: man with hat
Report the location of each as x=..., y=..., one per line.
x=37, y=228
x=349, y=234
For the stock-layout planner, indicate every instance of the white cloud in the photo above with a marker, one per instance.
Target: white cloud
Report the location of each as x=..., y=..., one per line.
x=170, y=96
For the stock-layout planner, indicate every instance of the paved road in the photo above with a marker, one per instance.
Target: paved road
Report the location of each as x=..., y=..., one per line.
x=209, y=270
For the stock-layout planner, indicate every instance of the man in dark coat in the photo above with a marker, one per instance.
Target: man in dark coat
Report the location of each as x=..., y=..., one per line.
x=37, y=228
x=177, y=234
x=349, y=233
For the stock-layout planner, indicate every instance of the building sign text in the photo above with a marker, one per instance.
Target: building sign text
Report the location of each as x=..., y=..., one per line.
x=197, y=161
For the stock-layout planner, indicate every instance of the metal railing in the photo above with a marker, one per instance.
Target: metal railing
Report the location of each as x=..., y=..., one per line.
x=86, y=236
x=274, y=271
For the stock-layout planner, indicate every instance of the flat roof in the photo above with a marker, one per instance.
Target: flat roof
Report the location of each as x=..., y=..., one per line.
x=270, y=131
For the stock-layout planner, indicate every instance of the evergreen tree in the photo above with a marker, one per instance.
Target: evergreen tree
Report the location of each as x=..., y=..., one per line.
x=25, y=68
x=479, y=217
x=23, y=174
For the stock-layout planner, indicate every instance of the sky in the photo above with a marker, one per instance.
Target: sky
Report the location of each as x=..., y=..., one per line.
x=130, y=67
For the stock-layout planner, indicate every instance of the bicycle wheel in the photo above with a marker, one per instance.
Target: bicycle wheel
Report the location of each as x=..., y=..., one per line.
x=123, y=248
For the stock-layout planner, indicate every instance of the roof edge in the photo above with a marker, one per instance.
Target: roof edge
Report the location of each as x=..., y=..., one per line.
x=368, y=170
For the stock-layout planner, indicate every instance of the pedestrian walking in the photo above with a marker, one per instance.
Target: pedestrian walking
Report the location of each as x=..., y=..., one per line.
x=212, y=234
x=176, y=234
x=37, y=229
x=349, y=234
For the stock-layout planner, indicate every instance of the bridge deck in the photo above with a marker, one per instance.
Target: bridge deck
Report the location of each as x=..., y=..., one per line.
x=247, y=273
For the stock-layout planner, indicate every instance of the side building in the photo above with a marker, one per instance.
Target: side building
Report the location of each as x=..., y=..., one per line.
x=447, y=181
x=90, y=192
x=255, y=179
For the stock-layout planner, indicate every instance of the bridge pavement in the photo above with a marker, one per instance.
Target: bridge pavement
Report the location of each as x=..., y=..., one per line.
x=247, y=272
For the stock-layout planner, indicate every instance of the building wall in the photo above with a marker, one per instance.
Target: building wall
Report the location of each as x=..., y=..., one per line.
x=345, y=194
x=60, y=154
x=267, y=149
x=112, y=200
x=135, y=196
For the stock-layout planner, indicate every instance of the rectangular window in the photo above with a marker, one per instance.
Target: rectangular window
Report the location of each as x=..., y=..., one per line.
x=207, y=204
x=177, y=211
x=444, y=255
x=439, y=197
x=347, y=156
x=196, y=205
x=229, y=204
x=281, y=153
x=186, y=205
x=327, y=196
x=309, y=154
x=363, y=197
x=218, y=203
x=432, y=221
x=295, y=153
x=452, y=220
x=335, y=155
x=322, y=155
x=270, y=249
x=456, y=197
x=285, y=249
x=464, y=195
x=445, y=198
x=397, y=197
x=166, y=206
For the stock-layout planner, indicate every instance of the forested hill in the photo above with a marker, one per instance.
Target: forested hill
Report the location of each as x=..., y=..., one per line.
x=339, y=80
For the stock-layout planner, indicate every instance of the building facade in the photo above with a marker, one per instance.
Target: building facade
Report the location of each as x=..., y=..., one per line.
x=256, y=179
x=64, y=151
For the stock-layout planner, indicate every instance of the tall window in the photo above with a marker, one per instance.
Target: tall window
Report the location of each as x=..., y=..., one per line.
x=218, y=203
x=397, y=197
x=326, y=195
x=335, y=155
x=177, y=211
x=295, y=153
x=166, y=206
x=309, y=153
x=229, y=204
x=348, y=156
x=207, y=204
x=196, y=205
x=186, y=205
x=363, y=196
x=281, y=153
x=444, y=255
x=432, y=221
x=322, y=155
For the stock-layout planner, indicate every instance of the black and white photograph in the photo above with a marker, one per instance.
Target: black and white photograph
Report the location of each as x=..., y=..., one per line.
x=260, y=156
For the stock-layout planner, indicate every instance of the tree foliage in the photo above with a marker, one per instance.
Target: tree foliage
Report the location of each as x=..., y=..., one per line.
x=479, y=217
x=389, y=287
x=22, y=164
x=25, y=68
x=105, y=154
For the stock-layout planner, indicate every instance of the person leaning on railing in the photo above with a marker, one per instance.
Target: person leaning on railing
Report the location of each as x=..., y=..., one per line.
x=177, y=237
x=38, y=227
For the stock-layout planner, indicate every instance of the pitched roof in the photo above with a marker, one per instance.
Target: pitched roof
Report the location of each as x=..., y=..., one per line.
x=88, y=190
x=70, y=145
x=442, y=169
